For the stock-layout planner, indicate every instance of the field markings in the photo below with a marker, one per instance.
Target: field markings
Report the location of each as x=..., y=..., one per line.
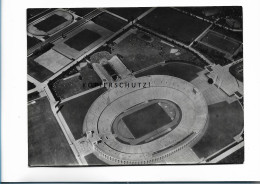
x=201, y=35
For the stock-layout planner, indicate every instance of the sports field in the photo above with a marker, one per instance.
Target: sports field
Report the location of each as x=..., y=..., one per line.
x=221, y=42
x=225, y=122
x=82, y=39
x=50, y=23
x=177, y=69
x=146, y=120
x=109, y=22
x=46, y=142
x=174, y=24
x=75, y=110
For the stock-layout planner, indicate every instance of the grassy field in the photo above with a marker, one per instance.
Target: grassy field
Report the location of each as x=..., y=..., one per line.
x=146, y=120
x=75, y=110
x=136, y=53
x=177, y=69
x=213, y=55
x=109, y=22
x=174, y=24
x=82, y=39
x=77, y=84
x=221, y=42
x=46, y=141
x=37, y=71
x=225, y=122
x=128, y=13
x=50, y=23
x=235, y=35
x=34, y=69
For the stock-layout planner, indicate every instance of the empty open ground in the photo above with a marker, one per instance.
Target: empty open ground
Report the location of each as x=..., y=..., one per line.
x=225, y=122
x=46, y=141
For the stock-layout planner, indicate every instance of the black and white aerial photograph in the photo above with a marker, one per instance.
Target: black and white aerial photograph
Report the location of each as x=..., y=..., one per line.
x=135, y=86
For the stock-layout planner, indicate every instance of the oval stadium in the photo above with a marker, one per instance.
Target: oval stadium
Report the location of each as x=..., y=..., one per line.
x=145, y=125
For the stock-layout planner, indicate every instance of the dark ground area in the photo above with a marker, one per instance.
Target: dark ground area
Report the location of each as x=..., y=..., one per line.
x=174, y=24
x=146, y=120
x=75, y=110
x=30, y=85
x=213, y=55
x=82, y=11
x=82, y=39
x=225, y=122
x=235, y=158
x=93, y=160
x=221, y=42
x=128, y=13
x=31, y=41
x=50, y=23
x=235, y=35
x=33, y=96
x=46, y=141
x=137, y=53
x=87, y=79
x=181, y=70
x=109, y=22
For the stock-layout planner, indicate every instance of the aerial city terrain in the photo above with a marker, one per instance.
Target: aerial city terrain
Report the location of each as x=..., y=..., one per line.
x=135, y=86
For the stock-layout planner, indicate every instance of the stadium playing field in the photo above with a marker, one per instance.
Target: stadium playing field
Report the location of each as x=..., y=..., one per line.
x=146, y=120
x=221, y=42
x=82, y=39
x=50, y=23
